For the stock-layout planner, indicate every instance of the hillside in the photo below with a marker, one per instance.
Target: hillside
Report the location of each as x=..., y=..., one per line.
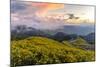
x=41, y=50
x=82, y=43
x=90, y=38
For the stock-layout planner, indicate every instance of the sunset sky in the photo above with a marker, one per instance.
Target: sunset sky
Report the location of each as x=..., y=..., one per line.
x=40, y=15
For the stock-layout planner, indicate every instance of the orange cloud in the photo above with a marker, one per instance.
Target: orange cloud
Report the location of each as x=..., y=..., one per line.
x=45, y=7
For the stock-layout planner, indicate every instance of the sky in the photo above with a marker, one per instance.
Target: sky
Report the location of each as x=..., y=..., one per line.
x=42, y=15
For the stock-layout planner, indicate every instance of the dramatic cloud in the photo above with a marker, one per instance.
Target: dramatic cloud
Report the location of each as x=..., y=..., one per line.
x=48, y=15
x=45, y=7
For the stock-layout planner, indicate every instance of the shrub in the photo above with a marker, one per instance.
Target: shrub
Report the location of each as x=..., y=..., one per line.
x=40, y=50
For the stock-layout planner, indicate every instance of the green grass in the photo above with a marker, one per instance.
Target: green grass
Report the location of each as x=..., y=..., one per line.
x=81, y=43
x=41, y=50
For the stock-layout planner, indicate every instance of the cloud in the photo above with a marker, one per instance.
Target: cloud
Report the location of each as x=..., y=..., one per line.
x=31, y=14
x=72, y=16
x=45, y=7
x=34, y=14
x=36, y=22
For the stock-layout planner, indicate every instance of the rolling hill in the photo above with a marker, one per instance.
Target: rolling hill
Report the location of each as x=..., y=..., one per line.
x=42, y=50
x=82, y=43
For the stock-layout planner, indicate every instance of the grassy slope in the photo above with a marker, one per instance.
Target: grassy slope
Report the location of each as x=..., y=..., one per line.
x=40, y=50
x=81, y=43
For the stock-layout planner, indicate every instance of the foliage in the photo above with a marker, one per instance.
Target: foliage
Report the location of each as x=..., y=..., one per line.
x=41, y=50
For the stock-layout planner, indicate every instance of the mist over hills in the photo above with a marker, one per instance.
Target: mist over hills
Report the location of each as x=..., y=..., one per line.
x=82, y=29
x=68, y=33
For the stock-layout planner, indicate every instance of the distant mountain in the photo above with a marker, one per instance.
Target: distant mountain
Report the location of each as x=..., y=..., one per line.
x=90, y=38
x=78, y=29
x=21, y=32
x=61, y=36
x=67, y=33
x=82, y=29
